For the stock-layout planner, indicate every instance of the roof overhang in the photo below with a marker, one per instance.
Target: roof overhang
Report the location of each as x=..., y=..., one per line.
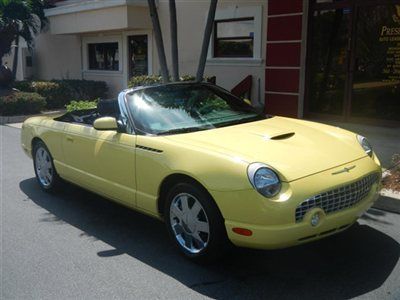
x=74, y=17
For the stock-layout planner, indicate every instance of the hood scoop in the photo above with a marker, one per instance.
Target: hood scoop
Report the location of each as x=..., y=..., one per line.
x=283, y=136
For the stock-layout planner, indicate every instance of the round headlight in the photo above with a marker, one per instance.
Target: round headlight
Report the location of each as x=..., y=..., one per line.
x=365, y=144
x=264, y=180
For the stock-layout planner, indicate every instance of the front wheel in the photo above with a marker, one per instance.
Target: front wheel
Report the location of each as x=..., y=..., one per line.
x=195, y=223
x=45, y=171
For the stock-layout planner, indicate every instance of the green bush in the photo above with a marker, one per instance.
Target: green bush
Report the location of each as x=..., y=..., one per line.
x=20, y=103
x=144, y=80
x=79, y=105
x=58, y=93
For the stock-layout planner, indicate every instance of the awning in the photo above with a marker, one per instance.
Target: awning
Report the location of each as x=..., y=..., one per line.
x=74, y=17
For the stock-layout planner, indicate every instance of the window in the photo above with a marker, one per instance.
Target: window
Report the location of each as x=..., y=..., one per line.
x=104, y=56
x=234, y=38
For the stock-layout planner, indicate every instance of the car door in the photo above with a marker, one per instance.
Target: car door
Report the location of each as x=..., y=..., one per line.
x=101, y=161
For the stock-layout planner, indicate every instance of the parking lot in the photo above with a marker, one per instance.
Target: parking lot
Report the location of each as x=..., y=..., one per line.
x=77, y=245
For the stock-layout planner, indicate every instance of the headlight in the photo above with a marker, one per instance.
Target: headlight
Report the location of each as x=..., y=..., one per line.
x=264, y=180
x=365, y=144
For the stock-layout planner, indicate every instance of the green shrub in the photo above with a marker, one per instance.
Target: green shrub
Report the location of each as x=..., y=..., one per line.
x=58, y=93
x=79, y=105
x=144, y=80
x=20, y=103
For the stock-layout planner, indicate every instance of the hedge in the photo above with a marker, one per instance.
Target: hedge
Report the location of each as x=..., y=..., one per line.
x=79, y=105
x=58, y=93
x=155, y=79
x=20, y=103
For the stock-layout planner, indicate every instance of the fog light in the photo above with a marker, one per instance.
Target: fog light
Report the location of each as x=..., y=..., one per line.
x=315, y=219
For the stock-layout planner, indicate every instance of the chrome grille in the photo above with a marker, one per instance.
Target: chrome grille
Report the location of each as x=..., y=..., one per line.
x=339, y=198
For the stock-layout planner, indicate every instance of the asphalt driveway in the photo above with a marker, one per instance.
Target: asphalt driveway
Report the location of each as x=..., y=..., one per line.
x=78, y=245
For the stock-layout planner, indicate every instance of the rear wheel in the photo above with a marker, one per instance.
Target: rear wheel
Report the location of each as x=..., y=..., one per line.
x=45, y=171
x=195, y=223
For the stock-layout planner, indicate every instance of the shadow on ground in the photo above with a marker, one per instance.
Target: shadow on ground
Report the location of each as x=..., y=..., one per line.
x=343, y=266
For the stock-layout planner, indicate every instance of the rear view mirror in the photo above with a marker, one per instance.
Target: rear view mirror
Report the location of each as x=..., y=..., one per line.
x=105, y=123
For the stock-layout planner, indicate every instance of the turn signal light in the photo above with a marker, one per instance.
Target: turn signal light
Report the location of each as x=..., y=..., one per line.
x=242, y=231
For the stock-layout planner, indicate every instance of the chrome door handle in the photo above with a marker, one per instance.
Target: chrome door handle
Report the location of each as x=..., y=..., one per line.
x=69, y=138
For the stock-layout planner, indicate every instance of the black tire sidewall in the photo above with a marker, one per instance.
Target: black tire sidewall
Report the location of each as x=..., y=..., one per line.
x=217, y=238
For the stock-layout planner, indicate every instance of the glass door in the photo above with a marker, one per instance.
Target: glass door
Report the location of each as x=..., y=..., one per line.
x=353, y=60
x=328, y=61
x=376, y=81
x=138, y=55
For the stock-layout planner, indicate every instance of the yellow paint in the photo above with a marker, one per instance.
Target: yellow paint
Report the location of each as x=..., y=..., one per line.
x=123, y=168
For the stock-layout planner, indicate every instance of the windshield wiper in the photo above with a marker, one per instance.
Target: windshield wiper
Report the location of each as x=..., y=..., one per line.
x=183, y=130
x=239, y=121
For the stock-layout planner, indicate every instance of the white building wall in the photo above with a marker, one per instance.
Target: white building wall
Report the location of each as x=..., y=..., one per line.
x=57, y=57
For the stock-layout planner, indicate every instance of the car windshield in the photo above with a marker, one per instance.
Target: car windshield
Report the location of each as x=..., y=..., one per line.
x=179, y=108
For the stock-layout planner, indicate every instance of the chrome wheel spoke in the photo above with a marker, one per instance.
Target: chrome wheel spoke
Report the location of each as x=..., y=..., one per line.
x=202, y=226
x=177, y=212
x=188, y=241
x=185, y=204
x=198, y=240
x=196, y=208
x=178, y=228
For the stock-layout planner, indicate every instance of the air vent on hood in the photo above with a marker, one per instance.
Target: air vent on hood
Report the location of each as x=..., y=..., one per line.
x=282, y=136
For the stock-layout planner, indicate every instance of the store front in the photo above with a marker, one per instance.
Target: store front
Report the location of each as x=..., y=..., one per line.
x=353, y=61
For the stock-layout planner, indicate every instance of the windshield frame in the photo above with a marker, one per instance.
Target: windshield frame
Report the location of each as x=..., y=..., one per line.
x=258, y=115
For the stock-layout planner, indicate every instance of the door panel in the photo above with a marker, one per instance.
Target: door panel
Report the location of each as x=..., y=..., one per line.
x=102, y=161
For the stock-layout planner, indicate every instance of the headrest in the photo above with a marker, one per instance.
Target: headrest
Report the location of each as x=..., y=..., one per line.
x=108, y=107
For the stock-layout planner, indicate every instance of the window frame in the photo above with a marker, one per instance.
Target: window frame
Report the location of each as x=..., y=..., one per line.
x=238, y=12
x=99, y=40
x=216, y=38
x=104, y=50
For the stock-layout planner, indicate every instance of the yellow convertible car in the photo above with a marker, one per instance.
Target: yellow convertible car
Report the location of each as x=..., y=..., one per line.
x=204, y=161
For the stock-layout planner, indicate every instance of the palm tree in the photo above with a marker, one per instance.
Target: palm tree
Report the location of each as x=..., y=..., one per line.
x=159, y=40
x=206, y=40
x=20, y=19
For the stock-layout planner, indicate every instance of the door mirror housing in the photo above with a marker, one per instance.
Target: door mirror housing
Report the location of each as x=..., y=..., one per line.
x=248, y=101
x=105, y=123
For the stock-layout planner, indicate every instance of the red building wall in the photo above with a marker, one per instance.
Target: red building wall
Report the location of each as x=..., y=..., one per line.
x=282, y=70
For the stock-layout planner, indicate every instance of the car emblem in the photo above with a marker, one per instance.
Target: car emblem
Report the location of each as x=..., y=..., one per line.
x=345, y=169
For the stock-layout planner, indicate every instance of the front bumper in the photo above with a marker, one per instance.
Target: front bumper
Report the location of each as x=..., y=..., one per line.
x=272, y=221
x=281, y=236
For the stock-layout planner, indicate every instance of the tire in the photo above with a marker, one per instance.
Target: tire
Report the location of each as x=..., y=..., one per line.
x=194, y=223
x=45, y=171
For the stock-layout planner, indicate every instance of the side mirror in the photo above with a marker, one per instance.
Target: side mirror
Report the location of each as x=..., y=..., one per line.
x=248, y=101
x=105, y=123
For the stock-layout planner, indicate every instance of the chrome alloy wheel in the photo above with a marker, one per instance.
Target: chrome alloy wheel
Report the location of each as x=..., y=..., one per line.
x=44, y=167
x=189, y=223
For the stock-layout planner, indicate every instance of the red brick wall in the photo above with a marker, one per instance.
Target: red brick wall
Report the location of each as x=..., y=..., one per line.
x=282, y=70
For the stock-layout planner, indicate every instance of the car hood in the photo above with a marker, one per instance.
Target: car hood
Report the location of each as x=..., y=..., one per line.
x=294, y=148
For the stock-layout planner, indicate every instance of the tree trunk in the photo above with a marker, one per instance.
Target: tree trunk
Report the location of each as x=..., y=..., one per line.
x=159, y=40
x=206, y=40
x=15, y=58
x=174, y=40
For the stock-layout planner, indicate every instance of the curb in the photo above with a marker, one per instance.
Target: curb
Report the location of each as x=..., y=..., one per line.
x=388, y=201
x=19, y=119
